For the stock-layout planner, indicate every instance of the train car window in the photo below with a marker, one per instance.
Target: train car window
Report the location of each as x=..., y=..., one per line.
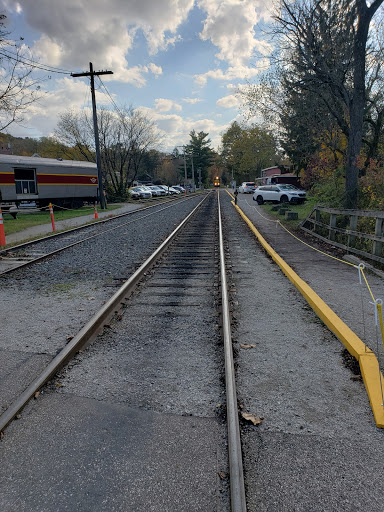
x=25, y=181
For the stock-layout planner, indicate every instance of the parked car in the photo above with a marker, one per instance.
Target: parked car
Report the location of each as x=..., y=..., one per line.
x=179, y=188
x=247, y=187
x=165, y=188
x=134, y=194
x=279, y=194
x=169, y=190
x=157, y=191
x=143, y=192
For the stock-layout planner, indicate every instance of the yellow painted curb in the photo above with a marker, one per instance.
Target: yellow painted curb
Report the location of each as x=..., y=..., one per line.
x=373, y=379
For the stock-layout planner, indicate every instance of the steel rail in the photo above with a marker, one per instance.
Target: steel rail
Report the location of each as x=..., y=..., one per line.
x=52, y=253
x=85, y=226
x=91, y=329
x=236, y=475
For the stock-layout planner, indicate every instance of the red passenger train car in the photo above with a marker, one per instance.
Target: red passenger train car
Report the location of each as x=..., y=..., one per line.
x=67, y=183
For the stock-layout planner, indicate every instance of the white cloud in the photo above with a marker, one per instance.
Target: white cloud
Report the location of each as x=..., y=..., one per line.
x=156, y=70
x=176, y=129
x=74, y=35
x=164, y=105
x=228, y=101
x=192, y=101
x=230, y=26
x=44, y=115
x=11, y=6
x=232, y=73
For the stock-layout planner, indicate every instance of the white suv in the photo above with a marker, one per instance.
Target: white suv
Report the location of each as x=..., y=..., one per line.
x=279, y=194
x=247, y=187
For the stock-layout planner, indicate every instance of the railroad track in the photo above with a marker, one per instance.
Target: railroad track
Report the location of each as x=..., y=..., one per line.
x=26, y=253
x=138, y=411
x=159, y=333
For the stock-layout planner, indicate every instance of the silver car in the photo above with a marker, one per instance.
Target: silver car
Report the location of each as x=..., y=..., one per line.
x=143, y=192
x=157, y=191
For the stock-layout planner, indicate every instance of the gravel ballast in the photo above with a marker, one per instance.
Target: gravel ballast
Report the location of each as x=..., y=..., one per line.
x=46, y=304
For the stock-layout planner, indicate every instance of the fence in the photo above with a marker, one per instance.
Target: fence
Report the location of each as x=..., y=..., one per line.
x=357, y=231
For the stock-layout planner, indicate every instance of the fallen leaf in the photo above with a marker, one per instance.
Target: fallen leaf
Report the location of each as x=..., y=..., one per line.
x=1, y=435
x=37, y=394
x=222, y=475
x=91, y=298
x=18, y=416
x=245, y=345
x=356, y=377
x=256, y=420
x=81, y=309
x=70, y=337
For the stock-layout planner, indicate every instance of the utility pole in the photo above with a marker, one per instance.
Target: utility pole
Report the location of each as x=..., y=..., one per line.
x=193, y=175
x=92, y=74
x=185, y=173
x=185, y=168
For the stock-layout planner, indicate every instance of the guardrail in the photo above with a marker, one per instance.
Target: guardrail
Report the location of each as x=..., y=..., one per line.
x=357, y=231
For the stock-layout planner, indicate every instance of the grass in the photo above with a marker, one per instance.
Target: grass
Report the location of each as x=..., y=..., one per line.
x=27, y=220
x=303, y=211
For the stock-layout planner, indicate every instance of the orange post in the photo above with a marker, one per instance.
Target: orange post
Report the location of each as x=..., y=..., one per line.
x=52, y=217
x=2, y=233
x=96, y=214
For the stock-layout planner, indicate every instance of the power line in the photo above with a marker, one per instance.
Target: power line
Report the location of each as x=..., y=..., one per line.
x=31, y=63
x=112, y=100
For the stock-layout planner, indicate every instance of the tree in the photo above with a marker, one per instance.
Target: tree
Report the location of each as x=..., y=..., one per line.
x=18, y=88
x=324, y=45
x=125, y=138
x=168, y=170
x=75, y=132
x=149, y=165
x=248, y=150
x=199, y=154
x=229, y=157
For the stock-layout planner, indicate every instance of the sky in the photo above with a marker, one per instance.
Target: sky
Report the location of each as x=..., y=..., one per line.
x=179, y=61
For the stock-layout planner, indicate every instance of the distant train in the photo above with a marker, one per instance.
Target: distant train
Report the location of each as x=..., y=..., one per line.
x=65, y=183
x=216, y=182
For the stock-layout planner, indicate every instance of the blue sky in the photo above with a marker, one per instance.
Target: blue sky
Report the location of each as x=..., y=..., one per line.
x=180, y=61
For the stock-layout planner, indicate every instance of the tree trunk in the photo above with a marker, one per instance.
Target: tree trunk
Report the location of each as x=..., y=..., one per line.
x=358, y=101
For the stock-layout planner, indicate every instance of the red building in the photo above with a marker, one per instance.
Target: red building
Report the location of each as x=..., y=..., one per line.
x=276, y=174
